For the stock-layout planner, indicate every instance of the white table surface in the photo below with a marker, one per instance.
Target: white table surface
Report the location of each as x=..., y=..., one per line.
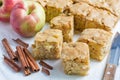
x=95, y=73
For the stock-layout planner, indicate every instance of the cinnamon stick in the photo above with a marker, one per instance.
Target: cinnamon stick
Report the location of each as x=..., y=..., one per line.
x=20, y=42
x=45, y=71
x=32, y=66
x=9, y=49
x=45, y=65
x=25, y=58
x=12, y=64
x=31, y=60
x=25, y=65
x=22, y=57
x=27, y=72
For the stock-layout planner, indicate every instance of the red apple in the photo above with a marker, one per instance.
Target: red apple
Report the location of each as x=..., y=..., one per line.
x=5, y=9
x=27, y=18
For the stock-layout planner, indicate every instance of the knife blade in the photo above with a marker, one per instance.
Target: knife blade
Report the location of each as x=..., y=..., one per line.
x=113, y=59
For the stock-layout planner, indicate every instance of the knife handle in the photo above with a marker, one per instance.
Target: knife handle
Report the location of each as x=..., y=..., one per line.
x=109, y=73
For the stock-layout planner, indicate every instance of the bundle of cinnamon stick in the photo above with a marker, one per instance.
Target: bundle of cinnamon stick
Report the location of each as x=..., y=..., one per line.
x=23, y=55
x=26, y=60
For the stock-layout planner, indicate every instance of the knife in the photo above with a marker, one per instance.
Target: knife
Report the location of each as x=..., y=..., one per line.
x=113, y=59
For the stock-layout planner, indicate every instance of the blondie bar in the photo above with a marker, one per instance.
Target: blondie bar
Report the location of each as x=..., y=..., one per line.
x=99, y=42
x=48, y=44
x=75, y=58
x=66, y=24
x=55, y=7
x=112, y=6
x=87, y=16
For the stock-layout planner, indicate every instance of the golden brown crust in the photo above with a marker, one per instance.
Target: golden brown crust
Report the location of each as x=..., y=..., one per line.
x=109, y=5
x=50, y=35
x=87, y=16
x=55, y=7
x=48, y=44
x=97, y=36
x=59, y=3
x=99, y=42
x=66, y=24
x=75, y=58
x=71, y=51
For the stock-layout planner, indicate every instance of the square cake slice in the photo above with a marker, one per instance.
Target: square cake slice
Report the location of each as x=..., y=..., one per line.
x=99, y=42
x=66, y=24
x=87, y=16
x=112, y=6
x=75, y=58
x=48, y=44
x=55, y=7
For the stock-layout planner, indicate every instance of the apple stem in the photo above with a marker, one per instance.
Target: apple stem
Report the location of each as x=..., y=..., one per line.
x=31, y=8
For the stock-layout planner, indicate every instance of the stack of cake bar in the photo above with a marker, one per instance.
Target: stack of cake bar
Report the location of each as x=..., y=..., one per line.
x=93, y=19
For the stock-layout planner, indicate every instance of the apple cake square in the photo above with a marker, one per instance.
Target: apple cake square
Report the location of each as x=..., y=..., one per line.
x=112, y=6
x=55, y=7
x=87, y=16
x=64, y=23
x=99, y=42
x=48, y=44
x=75, y=58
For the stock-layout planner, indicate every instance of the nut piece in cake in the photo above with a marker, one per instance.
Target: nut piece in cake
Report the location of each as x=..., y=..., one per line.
x=87, y=16
x=99, y=42
x=75, y=58
x=66, y=24
x=48, y=44
x=55, y=7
